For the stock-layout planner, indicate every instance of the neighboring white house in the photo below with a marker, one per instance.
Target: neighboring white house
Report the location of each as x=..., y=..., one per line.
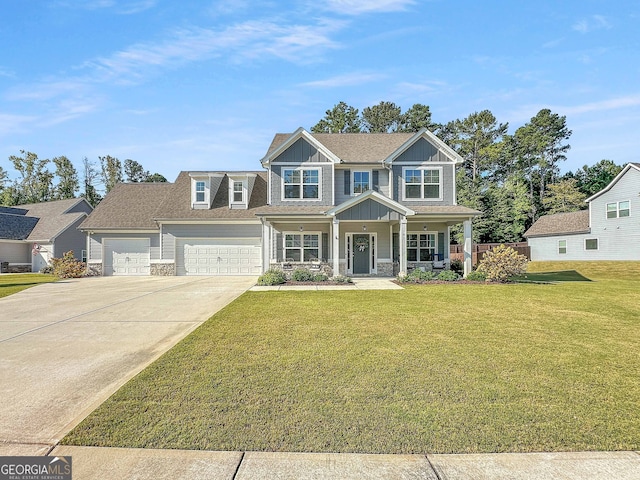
x=608, y=230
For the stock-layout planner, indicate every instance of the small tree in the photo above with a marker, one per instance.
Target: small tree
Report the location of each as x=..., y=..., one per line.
x=68, y=266
x=502, y=263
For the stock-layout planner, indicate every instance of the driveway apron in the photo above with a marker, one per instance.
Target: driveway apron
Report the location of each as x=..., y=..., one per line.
x=65, y=347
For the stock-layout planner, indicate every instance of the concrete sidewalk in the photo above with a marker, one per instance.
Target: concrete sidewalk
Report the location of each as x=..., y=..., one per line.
x=359, y=283
x=91, y=463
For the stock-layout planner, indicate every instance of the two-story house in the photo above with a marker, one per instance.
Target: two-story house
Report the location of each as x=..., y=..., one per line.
x=353, y=204
x=608, y=230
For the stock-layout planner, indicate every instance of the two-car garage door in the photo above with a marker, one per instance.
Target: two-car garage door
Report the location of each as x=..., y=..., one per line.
x=220, y=256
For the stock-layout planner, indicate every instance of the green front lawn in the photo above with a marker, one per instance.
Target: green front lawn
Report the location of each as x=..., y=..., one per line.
x=11, y=283
x=434, y=368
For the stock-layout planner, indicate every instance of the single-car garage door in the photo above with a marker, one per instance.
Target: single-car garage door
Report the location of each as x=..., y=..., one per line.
x=126, y=256
x=218, y=256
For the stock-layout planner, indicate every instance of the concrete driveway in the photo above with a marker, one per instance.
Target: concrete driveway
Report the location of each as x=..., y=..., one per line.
x=65, y=347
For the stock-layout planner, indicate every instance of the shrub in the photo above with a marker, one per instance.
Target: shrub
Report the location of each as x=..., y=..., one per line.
x=417, y=276
x=273, y=276
x=502, y=263
x=448, y=276
x=342, y=279
x=47, y=270
x=457, y=266
x=68, y=266
x=320, y=277
x=302, y=275
x=477, y=276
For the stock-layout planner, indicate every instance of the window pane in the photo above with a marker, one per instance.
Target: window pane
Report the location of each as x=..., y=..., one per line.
x=199, y=196
x=591, y=244
x=311, y=241
x=310, y=176
x=412, y=176
x=623, y=210
x=412, y=254
x=431, y=176
x=292, y=191
x=412, y=191
x=426, y=255
x=431, y=191
x=293, y=254
x=310, y=254
x=310, y=191
x=562, y=246
x=291, y=176
x=412, y=240
x=199, y=186
x=292, y=240
x=612, y=210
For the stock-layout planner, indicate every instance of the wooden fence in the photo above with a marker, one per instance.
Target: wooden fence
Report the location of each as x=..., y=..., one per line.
x=456, y=252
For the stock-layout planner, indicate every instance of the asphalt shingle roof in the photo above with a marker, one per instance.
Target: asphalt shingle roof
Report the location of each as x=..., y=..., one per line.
x=560, y=224
x=354, y=147
x=16, y=227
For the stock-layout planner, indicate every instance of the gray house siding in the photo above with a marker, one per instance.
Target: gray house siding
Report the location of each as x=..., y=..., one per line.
x=448, y=185
x=422, y=151
x=172, y=232
x=341, y=196
x=369, y=210
x=70, y=240
x=326, y=187
x=301, y=152
x=83, y=207
x=97, y=239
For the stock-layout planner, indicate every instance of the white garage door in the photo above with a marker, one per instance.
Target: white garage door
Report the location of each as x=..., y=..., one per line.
x=218, y=256
x=126, y=256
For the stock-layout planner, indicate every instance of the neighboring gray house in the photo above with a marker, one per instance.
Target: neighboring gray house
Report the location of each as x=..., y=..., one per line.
x=356, y=204
x=30, y=235
x=608, y=230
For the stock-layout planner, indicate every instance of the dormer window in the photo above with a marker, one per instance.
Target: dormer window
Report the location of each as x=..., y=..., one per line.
x=238, y=192
x=200, y=185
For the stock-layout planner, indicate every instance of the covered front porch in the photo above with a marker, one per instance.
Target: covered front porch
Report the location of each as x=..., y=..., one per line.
x=369, y=235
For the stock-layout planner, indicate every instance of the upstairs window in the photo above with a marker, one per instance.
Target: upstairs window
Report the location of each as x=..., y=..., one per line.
x=422, y=184
x=238, y=192
x=301, y=184
x=200, y=185
x=361, y=182
x=591, y=244
x=562, y=247
x=618, y=209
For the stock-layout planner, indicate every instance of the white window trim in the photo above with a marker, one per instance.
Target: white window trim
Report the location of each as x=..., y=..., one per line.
x=301, y=169
x=353, y=180
x=304, y=232
x=418, y=233
x=565, y=247
x=617, y=204
x=194, y=182
x=422, y=168
x=232, y=199
x=592, y=249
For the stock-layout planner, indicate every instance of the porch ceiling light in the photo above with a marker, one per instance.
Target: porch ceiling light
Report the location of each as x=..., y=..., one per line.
x=424, y=227
x=364, y=228
x=301, y=228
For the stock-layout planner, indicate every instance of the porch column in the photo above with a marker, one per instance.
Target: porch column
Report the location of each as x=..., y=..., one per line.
x=467, y=247
x=335, y=246
x=403, y=246
x=266, y=246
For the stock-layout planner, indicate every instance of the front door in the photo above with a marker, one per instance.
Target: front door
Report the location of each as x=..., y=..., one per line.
x=361, y=253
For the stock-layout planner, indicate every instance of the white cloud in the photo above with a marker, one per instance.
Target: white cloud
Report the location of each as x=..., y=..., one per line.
x=594, y=22
x=347, y=80
x=357, y=7
x=10, y=123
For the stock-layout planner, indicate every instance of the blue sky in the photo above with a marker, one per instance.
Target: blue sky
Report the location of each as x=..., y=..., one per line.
x=204, y=85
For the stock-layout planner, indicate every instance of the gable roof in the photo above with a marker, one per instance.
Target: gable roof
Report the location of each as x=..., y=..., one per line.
x=433, y=140
x=41, y=222
x=375, y=196
x=129, y=206
x=570, y=223
x=286, y=140
x=627, y=167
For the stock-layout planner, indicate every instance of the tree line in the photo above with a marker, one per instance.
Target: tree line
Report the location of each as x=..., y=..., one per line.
x=37, y=183
x=513, y=179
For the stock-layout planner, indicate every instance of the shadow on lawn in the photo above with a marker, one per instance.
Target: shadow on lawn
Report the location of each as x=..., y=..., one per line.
x=553, y=277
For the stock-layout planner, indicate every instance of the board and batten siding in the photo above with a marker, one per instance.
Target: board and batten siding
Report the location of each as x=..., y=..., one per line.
x=97, y=240
x=383, y=182
x=422, y=151
x=301, y=151
x=172, y=232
